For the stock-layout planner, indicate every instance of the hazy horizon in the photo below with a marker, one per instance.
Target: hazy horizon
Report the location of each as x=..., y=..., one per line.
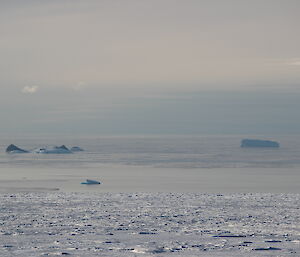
x=150, y=67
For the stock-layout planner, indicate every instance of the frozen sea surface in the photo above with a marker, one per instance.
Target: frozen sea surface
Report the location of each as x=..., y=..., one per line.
x=149, y=224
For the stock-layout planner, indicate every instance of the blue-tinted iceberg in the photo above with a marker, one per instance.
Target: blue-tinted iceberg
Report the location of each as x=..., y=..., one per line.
x=45, y=150
x=53, y=150
x=91, y=182
x=258, y=143
x=14, y=149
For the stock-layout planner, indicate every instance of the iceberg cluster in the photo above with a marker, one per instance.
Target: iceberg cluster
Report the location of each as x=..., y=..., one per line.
x=44, y=150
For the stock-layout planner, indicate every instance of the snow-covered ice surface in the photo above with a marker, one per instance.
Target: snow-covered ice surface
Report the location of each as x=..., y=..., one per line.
x=149, y=224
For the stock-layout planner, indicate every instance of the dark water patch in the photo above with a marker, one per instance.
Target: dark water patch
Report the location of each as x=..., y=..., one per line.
x=147, y=233
x=267, y=249
x=8, y=246
x=237, y=236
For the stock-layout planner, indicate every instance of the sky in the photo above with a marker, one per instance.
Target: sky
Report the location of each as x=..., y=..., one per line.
x=150, y=67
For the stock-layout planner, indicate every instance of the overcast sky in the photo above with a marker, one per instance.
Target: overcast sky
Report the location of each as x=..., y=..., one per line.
x=159, y=66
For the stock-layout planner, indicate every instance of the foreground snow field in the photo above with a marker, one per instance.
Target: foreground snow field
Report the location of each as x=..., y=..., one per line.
x=149, y=224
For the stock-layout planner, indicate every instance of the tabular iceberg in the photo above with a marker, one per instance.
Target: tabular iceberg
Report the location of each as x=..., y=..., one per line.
x=258, y=143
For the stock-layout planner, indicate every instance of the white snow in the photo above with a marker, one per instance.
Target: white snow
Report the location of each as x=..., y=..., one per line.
x=149, y=224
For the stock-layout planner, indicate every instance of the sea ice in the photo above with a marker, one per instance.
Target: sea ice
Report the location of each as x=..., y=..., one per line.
x=149, y=224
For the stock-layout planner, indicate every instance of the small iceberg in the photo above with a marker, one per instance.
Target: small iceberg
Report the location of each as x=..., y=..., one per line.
x=90, y=182
x=14, y=149
x=76, y=149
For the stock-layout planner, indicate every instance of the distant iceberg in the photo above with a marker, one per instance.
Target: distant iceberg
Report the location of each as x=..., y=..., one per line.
x=91, y=182
x=76, y=149
x=14, y=149
x=258, y=143
x=45, y=150
x=54, y=150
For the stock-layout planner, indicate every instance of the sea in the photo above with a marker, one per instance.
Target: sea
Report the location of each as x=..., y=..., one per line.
x=153, y=164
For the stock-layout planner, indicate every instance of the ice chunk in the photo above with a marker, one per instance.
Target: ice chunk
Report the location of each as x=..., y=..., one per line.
x=91, y=182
